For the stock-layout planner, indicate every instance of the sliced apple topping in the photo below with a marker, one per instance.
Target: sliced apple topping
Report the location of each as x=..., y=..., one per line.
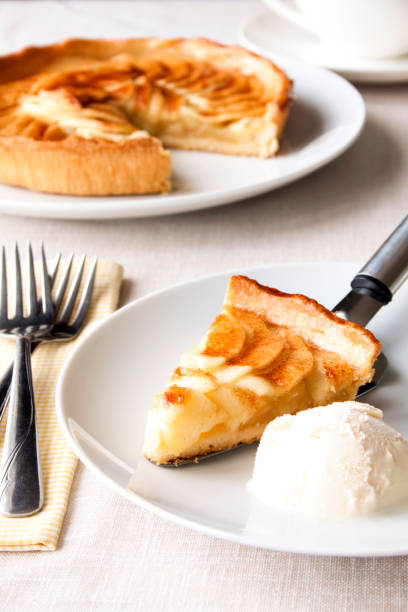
x=225, y=338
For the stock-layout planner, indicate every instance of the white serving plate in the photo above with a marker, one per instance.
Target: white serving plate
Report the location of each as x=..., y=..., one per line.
x=326, y=118
x=270, y=34
x=107, y=385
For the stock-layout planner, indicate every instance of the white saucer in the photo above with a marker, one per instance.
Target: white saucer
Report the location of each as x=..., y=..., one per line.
x=107, y=386
x=269, y=34
x=325, y=120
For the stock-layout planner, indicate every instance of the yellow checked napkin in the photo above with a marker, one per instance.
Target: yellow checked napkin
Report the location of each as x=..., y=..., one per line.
x=41, y=531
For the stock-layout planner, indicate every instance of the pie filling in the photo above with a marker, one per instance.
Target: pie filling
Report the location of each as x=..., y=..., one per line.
x=94, y=121
x=184, y=104
x=244, y=373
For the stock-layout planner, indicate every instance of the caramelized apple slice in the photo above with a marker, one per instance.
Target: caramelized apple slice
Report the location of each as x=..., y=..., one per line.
x=225, y=338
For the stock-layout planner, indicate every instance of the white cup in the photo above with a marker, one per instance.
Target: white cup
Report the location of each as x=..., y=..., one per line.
x=362, y=28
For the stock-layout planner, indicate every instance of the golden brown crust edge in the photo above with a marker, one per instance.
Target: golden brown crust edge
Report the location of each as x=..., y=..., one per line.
x=77, y=166
x=357, y=344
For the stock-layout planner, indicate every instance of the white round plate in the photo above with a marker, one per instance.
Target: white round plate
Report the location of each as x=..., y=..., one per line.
x=326, y=118
x=108, y=383
x=270, y=34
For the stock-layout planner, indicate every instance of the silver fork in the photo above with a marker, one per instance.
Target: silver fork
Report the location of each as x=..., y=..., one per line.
x=63, y=329
x=21, y=490
x=29, y=502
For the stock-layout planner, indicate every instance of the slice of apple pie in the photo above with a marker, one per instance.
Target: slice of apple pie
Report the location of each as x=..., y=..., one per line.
x=268, y=353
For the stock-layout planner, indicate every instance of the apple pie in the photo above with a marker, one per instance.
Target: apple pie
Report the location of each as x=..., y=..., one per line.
x=91, y=117
x=267, y=354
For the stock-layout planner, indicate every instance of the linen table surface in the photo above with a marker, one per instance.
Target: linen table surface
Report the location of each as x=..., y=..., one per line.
x=113, y=555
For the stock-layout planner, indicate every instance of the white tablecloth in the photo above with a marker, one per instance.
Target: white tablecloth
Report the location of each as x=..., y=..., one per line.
x=113, y=555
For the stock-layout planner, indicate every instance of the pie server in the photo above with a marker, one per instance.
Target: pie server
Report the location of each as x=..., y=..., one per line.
x=372, y=288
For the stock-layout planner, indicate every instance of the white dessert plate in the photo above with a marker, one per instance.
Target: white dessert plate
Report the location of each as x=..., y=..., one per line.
x=108, y=383
x=270, y=34
x=326, y=118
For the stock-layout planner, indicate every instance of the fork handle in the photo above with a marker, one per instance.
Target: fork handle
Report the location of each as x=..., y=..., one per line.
x=5, y=382
x=21, y=489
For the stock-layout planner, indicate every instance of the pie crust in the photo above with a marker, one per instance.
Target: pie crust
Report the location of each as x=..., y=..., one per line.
x=268, y=353
x=89, y=117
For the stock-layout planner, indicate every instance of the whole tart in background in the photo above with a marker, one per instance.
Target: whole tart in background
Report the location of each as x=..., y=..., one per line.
x=90, y=117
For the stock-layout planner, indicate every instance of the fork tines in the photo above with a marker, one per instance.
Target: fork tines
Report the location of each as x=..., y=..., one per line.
x=35, y=306
x=64, y=317
x=46, y=303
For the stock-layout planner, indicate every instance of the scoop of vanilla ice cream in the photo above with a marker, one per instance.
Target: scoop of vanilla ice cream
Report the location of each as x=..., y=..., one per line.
x=331, y=461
